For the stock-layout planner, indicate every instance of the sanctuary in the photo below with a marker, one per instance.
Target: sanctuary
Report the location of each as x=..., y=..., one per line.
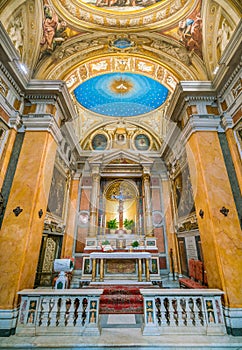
x=120, y=172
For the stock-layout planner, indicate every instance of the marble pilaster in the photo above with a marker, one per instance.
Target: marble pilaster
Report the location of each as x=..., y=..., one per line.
x=21, y=232
x=220, y=234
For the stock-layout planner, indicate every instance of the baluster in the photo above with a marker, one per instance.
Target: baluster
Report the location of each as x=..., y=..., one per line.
x=44, y=312
x=53, y=312
x=84, y=311
x=179, y=313
x=173, y=312
x=76, y=311
x=190, y=311
x=67, y=310
x=167, y=311
x=163, y=312
x=62, y=308
x=197, y=322
x=200, y=314
x=70, y=320
x=183, y=306
x=79, y=312
x=158, y=310
x=58, y=313
x=51, y=305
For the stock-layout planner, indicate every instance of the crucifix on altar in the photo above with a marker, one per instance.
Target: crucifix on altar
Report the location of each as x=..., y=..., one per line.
x=120, y=197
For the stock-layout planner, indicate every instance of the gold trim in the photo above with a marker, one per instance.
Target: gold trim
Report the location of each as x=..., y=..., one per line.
x=143, y=22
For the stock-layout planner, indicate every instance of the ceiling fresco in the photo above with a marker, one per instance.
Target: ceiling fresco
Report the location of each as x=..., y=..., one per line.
x=121, y=94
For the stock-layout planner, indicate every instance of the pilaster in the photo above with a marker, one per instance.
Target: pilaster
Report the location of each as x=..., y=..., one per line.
x=220, y=231
x=24, y=215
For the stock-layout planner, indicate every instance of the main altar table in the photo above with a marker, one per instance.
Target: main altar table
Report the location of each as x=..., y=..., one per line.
x=132, y=255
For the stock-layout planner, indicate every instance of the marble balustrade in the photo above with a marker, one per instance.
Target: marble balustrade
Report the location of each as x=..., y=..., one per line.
x=59, y=312
x=76, y=312
x=178, y=311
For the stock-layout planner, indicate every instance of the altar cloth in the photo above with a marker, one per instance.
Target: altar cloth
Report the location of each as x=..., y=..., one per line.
x=120, y=255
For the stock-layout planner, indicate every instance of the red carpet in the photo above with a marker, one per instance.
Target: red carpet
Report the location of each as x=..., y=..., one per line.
x=121, y=300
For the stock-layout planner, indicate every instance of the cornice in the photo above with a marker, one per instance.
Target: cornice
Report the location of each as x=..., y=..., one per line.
x=52, y=89
x=189, y=91
x=200, y=123
x=42, y=122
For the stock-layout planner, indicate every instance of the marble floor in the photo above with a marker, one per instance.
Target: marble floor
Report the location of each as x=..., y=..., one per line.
x=122, y=332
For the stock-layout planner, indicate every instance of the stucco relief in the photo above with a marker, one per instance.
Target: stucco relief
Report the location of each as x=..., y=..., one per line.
x=115, y=64
x=218, y=29
x=89, y=13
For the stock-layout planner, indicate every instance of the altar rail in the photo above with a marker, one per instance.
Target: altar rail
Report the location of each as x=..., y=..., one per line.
x=76, y=312
x=59, y=312
x=179, y=311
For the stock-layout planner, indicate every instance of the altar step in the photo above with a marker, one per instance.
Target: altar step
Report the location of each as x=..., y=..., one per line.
x=121, y=321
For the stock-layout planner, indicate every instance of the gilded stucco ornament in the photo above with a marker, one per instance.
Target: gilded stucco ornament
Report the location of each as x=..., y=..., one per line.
x=122, y=14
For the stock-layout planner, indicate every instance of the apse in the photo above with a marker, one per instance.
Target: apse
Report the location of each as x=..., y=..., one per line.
x=121, y=94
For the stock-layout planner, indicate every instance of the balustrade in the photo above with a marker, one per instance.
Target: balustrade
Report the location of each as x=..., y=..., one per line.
x=76, y=312
x=179, y=311
x=45, y=312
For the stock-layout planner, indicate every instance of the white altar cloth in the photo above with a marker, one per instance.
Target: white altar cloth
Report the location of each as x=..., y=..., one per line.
x=120, y=255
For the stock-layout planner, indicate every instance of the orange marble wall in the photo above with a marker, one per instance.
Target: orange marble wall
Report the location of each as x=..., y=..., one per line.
x=21, y=235
x=220, y=235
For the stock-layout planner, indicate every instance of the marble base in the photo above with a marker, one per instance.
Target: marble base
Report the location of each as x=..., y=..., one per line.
x=8, y=321
x=233, y=320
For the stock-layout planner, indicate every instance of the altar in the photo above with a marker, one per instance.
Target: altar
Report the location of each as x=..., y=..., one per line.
x=117, y=257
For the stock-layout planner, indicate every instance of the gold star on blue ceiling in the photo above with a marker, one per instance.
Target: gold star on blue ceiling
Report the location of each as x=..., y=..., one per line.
x=121, y=94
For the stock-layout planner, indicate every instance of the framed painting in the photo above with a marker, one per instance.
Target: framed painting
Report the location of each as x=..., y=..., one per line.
x=86, y=267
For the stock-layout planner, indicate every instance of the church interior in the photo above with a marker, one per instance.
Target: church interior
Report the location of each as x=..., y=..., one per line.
x=120, y=173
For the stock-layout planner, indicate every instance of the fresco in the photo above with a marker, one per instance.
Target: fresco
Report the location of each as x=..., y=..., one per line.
x=121, y=94
x=99, y=142
x=142, y=142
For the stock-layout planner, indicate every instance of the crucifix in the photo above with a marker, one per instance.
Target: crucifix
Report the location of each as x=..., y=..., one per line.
x=120, y=198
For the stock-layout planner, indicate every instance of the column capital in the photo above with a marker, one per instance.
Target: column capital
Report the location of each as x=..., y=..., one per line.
x=200, y=123
x=146, y=177
x=226, y=122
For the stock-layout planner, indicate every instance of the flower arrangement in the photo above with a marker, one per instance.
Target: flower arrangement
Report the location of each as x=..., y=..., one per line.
x=128, y=224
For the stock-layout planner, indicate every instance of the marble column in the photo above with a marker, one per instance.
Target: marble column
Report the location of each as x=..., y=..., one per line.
x=220, y=232
x=94, y=202
x=147, y=200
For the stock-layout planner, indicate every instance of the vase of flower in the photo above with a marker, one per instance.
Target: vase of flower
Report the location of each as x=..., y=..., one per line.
x=112, y=225
x=129, y=225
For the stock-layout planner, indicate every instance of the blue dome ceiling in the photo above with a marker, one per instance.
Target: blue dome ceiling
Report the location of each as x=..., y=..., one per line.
x=121, y=94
